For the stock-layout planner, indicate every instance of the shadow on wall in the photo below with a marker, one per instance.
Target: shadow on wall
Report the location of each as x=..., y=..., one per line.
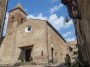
x=21, y=56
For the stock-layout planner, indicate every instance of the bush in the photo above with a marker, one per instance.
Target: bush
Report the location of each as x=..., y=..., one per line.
x=80, y=64
x=31, y=58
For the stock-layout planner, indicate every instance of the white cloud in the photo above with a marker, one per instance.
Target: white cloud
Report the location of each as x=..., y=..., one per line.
x=67, y=34
x=57, y=22
x=5, y=25
x=55, y=8
x=39, y=16
x=54, y=1
x=70, y=39
x=54, y=20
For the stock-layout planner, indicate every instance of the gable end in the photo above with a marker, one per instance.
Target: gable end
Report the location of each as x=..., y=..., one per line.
x=55, y=31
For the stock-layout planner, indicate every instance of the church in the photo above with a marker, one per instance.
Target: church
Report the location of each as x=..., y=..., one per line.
x=31, y=40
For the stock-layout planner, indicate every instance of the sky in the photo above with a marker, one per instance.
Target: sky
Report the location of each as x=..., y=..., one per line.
x=51, y=10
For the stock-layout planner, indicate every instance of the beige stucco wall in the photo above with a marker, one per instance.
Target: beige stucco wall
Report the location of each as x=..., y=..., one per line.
x=41, y=37
x=59, y=45
x=7, y=50
x=73, y=46
x=18, y=15
x=37, y=37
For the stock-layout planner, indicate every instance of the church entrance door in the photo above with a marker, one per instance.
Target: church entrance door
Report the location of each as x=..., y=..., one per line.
x=27, y=55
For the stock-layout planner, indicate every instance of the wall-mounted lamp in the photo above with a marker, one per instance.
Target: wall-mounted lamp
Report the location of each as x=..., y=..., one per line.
x=67, y=19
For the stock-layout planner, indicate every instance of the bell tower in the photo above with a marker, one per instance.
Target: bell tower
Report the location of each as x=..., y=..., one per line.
x=17, y=16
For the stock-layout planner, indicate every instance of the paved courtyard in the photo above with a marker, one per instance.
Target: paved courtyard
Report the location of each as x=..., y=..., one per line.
x=37, y=66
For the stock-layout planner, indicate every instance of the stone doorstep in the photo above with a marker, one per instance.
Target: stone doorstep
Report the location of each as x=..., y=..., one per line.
x=6, y=65
x=41, y=66
x=28, y=63
x=10, y=65
x=42, y=63
x=22, y=63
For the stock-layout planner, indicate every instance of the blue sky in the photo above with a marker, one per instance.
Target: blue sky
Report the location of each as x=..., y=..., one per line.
x=52, y=10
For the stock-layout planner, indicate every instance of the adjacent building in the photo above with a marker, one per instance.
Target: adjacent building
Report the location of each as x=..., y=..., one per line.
x=72, y=50
x=3, y=5
x=31, y=40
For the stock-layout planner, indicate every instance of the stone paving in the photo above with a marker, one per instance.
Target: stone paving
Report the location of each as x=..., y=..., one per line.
x=36, y=66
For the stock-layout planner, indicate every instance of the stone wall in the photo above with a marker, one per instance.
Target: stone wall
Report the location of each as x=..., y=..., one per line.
x=72, y=50
x=59, y=45
x=37, y=37
x=14, y=20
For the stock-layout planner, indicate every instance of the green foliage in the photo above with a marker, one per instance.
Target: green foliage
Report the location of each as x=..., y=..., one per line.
x=31, y=58
x=22, y=60
x=80, y=64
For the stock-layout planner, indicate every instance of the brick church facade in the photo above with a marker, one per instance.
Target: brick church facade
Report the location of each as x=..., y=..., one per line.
x=31, y=40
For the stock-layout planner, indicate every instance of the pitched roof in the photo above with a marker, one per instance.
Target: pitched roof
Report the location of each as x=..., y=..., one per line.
x=19, y=6
x=56, y=31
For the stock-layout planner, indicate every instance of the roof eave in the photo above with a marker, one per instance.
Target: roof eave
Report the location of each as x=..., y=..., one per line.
x=20, y=9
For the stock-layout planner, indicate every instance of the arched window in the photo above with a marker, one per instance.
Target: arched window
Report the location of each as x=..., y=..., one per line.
x=21, y=20
x=13, y=19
